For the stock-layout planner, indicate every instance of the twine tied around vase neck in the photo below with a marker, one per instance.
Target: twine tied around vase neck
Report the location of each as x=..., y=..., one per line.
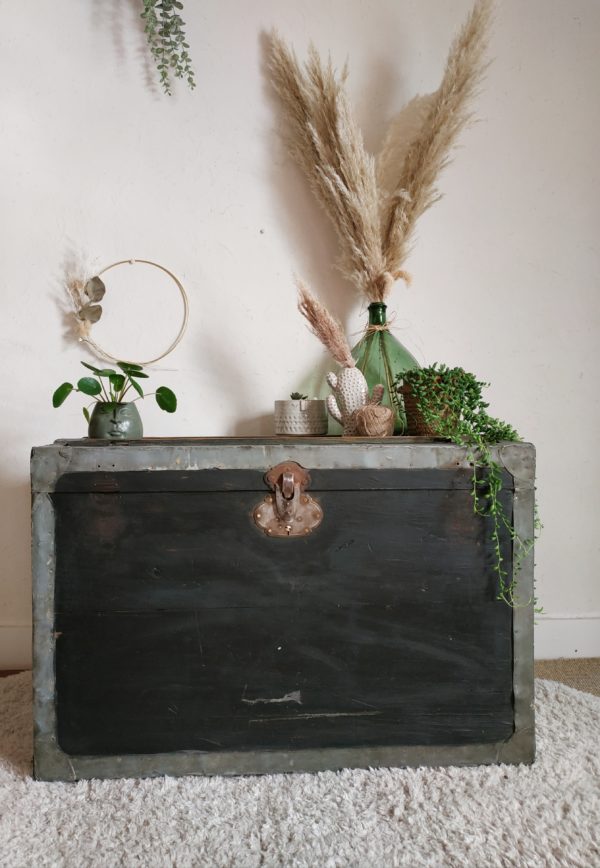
x=377, y=318
x=379, y=327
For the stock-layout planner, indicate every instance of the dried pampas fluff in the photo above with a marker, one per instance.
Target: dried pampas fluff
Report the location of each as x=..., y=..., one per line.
x=325, y=327
x=429, y=152
x=84, y=294
x=374, y=206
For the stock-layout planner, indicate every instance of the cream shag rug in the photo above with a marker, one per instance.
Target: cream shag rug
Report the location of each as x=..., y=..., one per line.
x=545, y=815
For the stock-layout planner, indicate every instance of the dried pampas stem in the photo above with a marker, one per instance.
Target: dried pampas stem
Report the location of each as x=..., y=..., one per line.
x=429, y=152
x=324, y=326
x=325, y=140
x=374, y=208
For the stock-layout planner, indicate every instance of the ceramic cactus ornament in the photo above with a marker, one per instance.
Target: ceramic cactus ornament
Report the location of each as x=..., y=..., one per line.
x=350, y=395
x=349, y=387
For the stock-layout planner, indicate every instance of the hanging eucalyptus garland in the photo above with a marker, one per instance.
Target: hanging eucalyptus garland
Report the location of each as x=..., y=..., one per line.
x=166, y=38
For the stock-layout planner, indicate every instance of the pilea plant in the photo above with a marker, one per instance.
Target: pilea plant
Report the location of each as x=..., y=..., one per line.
x=448, y=402
x=110, y=387
x=166, y=39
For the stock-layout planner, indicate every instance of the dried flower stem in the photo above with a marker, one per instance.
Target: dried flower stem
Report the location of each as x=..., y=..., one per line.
x=324, y=326
x=374, y=209
x=429, y=152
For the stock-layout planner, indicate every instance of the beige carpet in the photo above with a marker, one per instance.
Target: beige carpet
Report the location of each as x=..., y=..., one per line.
x=540, y=816
x=582, y=673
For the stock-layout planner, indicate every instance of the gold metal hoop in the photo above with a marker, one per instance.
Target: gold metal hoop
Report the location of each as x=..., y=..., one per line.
x=103, y=354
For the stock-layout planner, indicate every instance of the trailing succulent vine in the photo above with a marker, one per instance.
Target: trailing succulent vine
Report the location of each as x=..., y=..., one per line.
x=164, y=28
x=451, y=403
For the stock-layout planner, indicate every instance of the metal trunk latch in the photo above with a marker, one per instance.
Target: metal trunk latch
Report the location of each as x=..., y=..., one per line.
x=289, y=511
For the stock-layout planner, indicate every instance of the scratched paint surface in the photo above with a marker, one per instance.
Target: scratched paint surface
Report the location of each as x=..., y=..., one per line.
x=182, y=627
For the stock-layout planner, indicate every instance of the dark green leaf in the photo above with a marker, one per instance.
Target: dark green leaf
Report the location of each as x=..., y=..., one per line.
x=131, y=365
x=138, y=374
x=100, y=372
x=137, y=388
x=89, y=386
x=86, y=413
x=61, y=393
x=117, y=381
x=166, y=399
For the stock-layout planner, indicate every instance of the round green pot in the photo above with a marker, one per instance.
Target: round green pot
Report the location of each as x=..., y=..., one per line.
x=116, y=422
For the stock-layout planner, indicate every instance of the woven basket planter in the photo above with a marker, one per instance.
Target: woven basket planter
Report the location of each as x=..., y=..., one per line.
x=415, y=423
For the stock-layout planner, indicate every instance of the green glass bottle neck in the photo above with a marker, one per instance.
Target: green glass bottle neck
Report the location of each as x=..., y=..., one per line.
x=377, y=311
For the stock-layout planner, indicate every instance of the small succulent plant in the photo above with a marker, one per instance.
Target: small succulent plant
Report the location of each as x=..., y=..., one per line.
x=297, y=396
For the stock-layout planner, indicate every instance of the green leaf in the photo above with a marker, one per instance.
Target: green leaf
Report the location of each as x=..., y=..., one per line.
x=61, y=394
x=89, y=386
x=100, y=372
x=130, y=366
x=117, y=381
x=137, y=388
x=139, y=374
x=166, y=399
x=86, y=413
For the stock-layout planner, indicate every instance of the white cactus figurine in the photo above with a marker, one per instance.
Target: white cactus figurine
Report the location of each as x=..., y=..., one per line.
x=349, y=387
x=350, y=394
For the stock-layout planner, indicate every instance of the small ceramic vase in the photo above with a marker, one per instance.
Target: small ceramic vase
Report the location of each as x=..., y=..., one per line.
x=115, y=422
x=301, y=418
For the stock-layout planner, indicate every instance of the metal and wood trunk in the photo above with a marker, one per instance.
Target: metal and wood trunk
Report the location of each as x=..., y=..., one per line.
x=242, y=606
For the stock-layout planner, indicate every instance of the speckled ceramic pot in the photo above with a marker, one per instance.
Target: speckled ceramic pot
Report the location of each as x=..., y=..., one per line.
x=116, y=422
x=301, y=418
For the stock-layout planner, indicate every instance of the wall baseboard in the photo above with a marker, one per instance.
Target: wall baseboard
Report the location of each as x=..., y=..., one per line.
x=576, y=636
x=554, y=637
x=15, y=646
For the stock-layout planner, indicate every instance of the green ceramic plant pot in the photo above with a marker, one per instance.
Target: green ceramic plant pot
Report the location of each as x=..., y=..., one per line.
x=116, y=422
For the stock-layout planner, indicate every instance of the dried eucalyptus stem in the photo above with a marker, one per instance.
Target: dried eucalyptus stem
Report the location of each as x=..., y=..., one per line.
x=167, y=41
x=374, y=206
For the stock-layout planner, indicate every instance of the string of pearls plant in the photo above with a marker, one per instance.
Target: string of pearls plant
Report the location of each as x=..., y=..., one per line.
x=450, y=403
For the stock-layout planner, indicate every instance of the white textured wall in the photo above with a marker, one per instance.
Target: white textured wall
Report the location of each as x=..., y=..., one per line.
x=506, y=270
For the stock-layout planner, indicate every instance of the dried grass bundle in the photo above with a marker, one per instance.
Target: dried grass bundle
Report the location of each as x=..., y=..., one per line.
x=445, y=117
x=374, y=207
x=84, y=294
x=325, y=140
x=324, y=326
x=74, y=286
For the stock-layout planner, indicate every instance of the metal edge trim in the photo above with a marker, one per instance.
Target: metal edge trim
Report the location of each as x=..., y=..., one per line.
x=43, y=571
x=50, y=462
x=54, y=764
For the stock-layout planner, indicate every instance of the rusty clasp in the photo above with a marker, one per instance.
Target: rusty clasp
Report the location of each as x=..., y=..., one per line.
x=290, y=512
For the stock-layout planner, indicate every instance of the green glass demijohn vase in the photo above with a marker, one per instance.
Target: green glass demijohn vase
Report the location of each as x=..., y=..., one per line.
x=380, y=356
